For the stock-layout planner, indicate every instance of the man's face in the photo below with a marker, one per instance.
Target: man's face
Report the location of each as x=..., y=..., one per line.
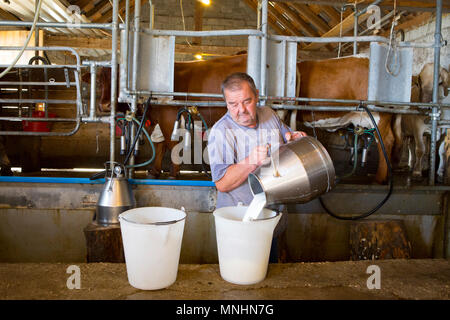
x=241, y=104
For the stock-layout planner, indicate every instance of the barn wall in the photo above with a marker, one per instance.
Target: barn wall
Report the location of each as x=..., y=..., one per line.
x=220, y=15
x=425, y=33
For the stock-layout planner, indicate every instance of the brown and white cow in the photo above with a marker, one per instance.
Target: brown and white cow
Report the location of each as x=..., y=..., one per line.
x=345, y=78
x=415, y=126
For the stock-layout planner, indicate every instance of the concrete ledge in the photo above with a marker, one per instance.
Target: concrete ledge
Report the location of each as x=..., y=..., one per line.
x=399, y=279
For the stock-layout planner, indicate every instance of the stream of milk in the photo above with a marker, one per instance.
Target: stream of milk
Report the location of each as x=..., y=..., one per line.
x=255, y=207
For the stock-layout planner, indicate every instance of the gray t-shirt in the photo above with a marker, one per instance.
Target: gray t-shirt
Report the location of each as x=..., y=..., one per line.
x=229, y=143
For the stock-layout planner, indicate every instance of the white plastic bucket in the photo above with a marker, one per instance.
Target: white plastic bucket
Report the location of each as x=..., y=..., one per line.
x=152, y=243
x=244, y=247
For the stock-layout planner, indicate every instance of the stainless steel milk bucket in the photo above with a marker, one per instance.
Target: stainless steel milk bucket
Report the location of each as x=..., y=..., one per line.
x=298, y=171
x=115, y=198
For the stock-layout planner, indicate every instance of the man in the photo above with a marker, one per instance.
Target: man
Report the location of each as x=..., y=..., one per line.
x=238, y=142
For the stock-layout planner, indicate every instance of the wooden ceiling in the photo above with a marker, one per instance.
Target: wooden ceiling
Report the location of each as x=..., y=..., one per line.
x=312, y=18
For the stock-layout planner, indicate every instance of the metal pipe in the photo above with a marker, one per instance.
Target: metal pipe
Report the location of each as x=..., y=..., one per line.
x=355, y=31
x=6, y=23
x=151, y=15
x=136, y=42
x=75, y=53
x=40, y=66
x=190, y=183
x=42, y=134
x=105, y=119
x=49, y=101
x=317, y=108
x=215, y=33
x=435, y=115
x=38, y=119
x=124, y=55
x=421, y=105
x=349, y=39
x=36, y=31
x=93, y=91
x=264, y=9
x=343, y=108
x=115, y=28
x=31, y=83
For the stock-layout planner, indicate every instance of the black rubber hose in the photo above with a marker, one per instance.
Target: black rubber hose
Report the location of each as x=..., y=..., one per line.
x=391, y=184
x=141, y=125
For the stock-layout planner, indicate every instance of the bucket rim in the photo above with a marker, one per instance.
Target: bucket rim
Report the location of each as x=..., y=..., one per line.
x=159, y=223
x=277, y=213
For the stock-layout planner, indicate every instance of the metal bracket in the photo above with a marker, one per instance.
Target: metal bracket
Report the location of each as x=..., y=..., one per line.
x=435, y=115
x=66, y=75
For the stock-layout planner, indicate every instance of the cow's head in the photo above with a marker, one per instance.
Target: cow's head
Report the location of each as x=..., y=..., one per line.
x=426, y=80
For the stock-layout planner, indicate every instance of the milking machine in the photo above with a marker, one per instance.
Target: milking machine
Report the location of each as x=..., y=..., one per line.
x=359, y=131
x=359, y=134
x=117, y=195
x=190, y=112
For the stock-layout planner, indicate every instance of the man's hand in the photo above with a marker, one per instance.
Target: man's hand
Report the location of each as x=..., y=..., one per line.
x=294, y=135
x=257, y=155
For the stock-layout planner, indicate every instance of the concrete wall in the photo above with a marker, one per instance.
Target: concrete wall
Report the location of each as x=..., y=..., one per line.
x=45, y=222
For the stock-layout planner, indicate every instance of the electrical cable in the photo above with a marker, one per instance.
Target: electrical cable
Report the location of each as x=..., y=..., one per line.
x=130, y=151
x=391, y=184
x=36, y=17
x=153, y=150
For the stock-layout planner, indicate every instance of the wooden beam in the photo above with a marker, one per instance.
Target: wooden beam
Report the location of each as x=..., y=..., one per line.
x=272, y=21
x=213, y=50
x=85, y=5
x=277, y=12
x=198, y=21
x=416, y=4
x=310, y=16
x=77, y=42
x=347, y=25
x=296, y=20
x=96, y=12
x=335, y=17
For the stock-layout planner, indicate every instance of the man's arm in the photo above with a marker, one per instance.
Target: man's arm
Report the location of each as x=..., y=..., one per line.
x=237, y=174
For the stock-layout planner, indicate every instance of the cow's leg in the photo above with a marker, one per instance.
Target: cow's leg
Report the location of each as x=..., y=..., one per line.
x=155, y=170
x=411, y=153
x=5, y=164
x=419, y=151
x=387, y=135
x=440, y=171
x=398, y=142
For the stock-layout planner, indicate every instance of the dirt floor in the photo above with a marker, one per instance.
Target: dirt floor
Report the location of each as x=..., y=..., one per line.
x=347, y=280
